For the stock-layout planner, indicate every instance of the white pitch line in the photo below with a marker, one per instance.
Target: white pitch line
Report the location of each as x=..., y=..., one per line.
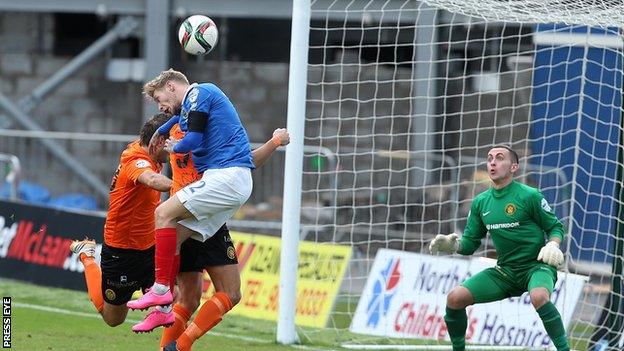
x=436, y=347
x=306, y=347
x=56, y=310
x=132, y=321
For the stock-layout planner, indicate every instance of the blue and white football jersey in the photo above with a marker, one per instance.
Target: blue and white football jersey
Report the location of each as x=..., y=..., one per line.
x=224, y=142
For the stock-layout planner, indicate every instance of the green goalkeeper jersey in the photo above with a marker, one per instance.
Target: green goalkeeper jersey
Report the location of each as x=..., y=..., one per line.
x=518, y=218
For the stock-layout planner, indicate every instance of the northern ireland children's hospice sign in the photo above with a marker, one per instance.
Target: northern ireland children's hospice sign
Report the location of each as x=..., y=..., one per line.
x=405, y=297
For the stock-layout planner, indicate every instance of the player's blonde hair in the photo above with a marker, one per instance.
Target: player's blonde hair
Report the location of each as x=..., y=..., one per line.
x=165, y=76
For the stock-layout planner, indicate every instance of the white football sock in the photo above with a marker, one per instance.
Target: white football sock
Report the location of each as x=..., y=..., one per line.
x=160, y=289
x=164, y=309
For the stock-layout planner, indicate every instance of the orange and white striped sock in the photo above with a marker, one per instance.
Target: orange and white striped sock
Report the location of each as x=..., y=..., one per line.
x=182, y=315
x=209, y=315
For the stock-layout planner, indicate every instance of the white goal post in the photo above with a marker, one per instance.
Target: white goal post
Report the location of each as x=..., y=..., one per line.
x=408, y=96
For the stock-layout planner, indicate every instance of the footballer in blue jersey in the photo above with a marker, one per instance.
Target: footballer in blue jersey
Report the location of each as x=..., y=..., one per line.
x=220, y=149
x=213, y=130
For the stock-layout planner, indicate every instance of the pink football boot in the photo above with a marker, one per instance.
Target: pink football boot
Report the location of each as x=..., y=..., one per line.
x=154, y=320
x=150, y=299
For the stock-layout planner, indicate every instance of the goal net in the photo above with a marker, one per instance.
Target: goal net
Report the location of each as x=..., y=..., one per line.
x=404, y=99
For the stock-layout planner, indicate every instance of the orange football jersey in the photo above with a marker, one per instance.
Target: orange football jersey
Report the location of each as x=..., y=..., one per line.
x=182, y=167
x=130, y=221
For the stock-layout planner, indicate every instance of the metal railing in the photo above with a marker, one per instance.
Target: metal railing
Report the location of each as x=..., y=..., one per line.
x=10, y=172
x=100, y=154
x=454, y=183
x=19, y=112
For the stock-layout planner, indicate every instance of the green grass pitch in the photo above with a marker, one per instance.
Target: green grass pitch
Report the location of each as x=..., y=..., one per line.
x=51, y=319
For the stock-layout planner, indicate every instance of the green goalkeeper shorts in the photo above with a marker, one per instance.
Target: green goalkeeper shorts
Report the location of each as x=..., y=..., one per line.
x=499, y=283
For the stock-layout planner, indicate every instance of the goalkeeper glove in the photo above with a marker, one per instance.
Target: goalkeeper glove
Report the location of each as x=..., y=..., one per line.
x=444, y=243
x=551, y=254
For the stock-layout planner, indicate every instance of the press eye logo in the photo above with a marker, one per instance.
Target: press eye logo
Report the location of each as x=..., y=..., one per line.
x=6, y=322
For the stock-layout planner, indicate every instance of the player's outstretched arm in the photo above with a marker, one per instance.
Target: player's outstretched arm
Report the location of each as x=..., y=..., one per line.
x=444, y=243
x=166, y=128
x=155, y=181
x=264, y=152
x=189, y=142
x=197, y=121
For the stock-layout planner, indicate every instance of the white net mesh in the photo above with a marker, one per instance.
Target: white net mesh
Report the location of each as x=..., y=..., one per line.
x=405, y=99
x=604, y=13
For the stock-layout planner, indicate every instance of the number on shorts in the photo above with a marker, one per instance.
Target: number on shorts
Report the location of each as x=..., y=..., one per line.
x=196, y=186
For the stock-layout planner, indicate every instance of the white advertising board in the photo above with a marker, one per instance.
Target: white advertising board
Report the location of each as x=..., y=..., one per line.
x=405, y=297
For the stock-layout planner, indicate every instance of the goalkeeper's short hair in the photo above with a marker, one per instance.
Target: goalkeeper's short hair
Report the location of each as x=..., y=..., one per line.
x=512, y=153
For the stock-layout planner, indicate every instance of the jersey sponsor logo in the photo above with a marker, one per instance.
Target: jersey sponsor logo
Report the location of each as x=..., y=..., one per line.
x=142, y=163
x=502, y=225
x=510, y=209
x=486, y=213
x=545, y=206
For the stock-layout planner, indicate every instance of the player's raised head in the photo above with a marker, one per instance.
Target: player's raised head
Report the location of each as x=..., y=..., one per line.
x=502, y=163
x=167, y=90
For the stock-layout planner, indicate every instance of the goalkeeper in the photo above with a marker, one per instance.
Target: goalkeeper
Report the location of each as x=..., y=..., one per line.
x=517, y=217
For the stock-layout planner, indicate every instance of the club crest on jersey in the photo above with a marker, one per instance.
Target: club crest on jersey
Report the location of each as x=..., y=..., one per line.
x=510, y=209
x=192, y=96
x=110, y=294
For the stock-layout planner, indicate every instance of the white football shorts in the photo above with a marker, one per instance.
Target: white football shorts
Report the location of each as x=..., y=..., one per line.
x=214, y=199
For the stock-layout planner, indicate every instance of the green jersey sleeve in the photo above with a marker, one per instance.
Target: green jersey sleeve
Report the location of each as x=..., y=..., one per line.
x=473, y=233
x=545, y=217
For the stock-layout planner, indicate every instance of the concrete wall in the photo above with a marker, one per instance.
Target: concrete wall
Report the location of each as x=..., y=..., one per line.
x=352, y=110
x=88, y=102
x=84, y=103
x=258, y=90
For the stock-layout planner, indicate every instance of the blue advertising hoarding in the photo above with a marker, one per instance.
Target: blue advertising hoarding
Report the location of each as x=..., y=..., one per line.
x=577, y=100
